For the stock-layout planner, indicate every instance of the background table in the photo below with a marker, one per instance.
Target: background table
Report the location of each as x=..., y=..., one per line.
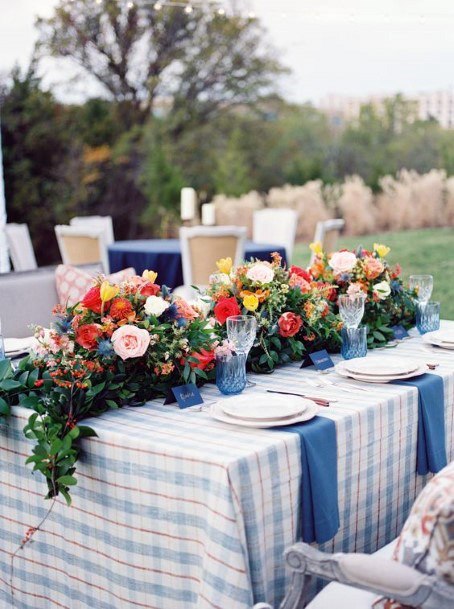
x=174, y=510
x=164, y=257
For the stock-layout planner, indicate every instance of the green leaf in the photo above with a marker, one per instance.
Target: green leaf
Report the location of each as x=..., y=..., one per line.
x=4, y=408
x=379, y=336
x=66, y=495
x=74, y=433
x=67, y=480
x=10, y=385
x=6, y=369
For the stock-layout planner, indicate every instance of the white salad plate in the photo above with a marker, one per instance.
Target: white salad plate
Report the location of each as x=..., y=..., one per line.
x=268, y=408
x=310, y=411
x=342, y=371
x=14, y=346
x=378, y=366
x=442, y=336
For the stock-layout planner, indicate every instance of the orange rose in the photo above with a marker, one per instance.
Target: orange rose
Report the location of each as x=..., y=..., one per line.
x=289, y=324
x=87, y=336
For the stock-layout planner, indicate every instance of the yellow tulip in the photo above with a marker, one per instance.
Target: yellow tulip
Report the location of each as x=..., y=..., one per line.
x=107, y=291
x=224, y=265
x=150, y=276
x=382, y=250
x=251, y=302
x=316, y=247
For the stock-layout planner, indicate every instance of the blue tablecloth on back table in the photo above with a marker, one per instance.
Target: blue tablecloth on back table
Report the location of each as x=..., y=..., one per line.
x=164, y=257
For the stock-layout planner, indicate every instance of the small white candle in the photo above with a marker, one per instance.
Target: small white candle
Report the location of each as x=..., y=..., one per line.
x=188, y=203
x=209, y=214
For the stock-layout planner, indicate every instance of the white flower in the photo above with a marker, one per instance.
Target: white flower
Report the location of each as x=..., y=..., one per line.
x=155, y=305
x=342, y=262
x=221, y=278
x=261, y=273
x=382, y=289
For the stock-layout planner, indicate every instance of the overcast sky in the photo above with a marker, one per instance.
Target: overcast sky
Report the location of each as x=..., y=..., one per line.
x=353, y=47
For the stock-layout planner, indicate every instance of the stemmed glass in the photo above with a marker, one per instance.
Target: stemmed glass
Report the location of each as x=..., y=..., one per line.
x=423, y=286
x=241, y=332
x=351, y=309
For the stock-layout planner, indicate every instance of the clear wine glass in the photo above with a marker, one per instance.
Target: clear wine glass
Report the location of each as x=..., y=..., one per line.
x=351, y=309
x=423, y=286
x=241, y=331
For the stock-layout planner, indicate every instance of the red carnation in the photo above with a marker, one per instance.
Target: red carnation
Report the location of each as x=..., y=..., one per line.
x=87, y=336
x=120, y=308
x=297, y=270
x=226, y=307
x=289, y=324
x=150, y=289
x=92, y=300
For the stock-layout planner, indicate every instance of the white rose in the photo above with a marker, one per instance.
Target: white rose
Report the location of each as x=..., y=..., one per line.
x=383, y=290
x=155, y=305
x=342, y=262
x=261, y=273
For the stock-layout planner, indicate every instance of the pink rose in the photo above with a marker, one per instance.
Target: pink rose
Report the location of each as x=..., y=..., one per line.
x=130, y=341
x=261, y=273
x=342, y=262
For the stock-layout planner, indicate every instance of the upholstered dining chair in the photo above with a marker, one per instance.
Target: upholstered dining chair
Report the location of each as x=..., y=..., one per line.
x=104, y=222
x=81, y=245
x=201, y=247
x=276, y=227
x=20, y=247
x=415, y=570
x=327, y=233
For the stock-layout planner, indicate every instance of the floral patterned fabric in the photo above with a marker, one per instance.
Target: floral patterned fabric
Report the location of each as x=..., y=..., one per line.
x=426, y=542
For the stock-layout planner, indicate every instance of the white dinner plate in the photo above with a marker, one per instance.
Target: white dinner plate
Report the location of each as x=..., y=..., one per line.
x=380, y=366
x=342, y=371
x=442, y=336
x=264, y=407
x=18, y=345
x=430, y=340
x=217, y=413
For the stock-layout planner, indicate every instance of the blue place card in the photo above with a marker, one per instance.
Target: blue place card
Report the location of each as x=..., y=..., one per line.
x=400, y=332
x=187, y=395
x=321, y=360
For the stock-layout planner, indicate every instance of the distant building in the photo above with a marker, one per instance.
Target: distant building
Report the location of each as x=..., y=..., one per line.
x=438, y=105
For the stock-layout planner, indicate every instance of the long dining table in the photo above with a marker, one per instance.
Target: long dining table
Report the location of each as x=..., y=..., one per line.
x=175, y=510
x=164, y=257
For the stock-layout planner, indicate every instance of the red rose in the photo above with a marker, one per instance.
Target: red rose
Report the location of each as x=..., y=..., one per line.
x=297, y=270
x=150, y=289
x=87, y=336
x=289, y=324
x=226, y=307
x=204, y=357
x=92, y=300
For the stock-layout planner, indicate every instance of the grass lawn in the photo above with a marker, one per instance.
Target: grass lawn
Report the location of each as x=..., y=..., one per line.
x=427, y=251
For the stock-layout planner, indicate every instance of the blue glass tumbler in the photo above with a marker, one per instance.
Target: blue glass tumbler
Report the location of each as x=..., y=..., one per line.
x=427, y=316
x=231, y=373
x=354, y=342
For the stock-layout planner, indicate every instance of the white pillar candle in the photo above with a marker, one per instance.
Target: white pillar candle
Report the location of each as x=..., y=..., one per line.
x=209, y=214
x=188, y=203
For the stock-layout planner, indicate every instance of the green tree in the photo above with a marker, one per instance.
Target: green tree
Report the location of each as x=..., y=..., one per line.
x=232, y=175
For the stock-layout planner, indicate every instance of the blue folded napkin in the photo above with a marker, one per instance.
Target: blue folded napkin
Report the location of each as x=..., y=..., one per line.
x=318, y=490
x=431, y=446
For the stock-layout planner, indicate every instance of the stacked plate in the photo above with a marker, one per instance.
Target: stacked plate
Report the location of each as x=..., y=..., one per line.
x=264, y=410
x=17, y=346
x=440, y=338
x=379, y=369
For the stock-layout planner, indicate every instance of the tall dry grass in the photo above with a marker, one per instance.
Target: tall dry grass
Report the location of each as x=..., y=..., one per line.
x=406, y=201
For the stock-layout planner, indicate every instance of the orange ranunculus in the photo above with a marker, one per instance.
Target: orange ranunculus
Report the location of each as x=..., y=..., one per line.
x=87, y=336
x=120, y=308
x=373, y=267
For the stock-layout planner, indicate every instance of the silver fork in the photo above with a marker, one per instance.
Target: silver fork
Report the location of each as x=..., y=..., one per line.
x=344, y=387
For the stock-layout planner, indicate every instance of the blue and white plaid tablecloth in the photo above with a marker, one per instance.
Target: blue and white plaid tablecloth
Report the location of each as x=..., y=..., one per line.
x=174, y=510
